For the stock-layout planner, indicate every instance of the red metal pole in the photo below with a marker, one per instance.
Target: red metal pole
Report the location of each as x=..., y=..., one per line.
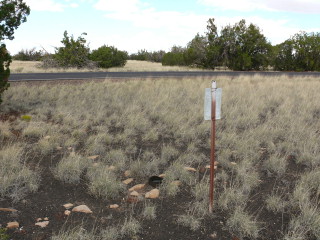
x=213, y=139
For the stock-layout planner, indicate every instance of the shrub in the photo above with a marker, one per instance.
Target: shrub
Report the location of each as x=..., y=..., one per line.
x=74, y=53
x=29, y=55
x=108, y=57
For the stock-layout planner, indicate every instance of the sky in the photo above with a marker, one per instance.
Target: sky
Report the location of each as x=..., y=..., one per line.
x=132, y=25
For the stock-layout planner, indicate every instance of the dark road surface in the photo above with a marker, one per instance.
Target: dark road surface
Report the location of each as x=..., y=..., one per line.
x=105, y=75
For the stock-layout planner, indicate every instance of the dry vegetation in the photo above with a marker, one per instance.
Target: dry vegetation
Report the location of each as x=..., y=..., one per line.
x=267, y=149
x=131, y=66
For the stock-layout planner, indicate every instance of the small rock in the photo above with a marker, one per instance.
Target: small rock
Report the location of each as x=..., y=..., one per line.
x=177, y=183
x=111, y=168
x=127, y=173
x=68, y=205
x=137, y=187
x=82, y=208
x=213, y=235
x=47, y=137
x=42, y=224
x=162, y=175
x=154, y=193
x=127, y=181
x=215, y=167
x=94, y=157
x=190, y=169
x=233, y=163
x=96, y=164
x=134, y=193
x=67, y=212
x=46, y=219
x=114, y=206
x=39, y=219
x=69, y=148
x=59, y=148
x=12, y=225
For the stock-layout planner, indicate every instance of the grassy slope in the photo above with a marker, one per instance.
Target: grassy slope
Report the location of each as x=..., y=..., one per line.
x=151, y=127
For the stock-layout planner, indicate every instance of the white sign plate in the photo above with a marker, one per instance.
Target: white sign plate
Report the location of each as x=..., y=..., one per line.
x=208, y=101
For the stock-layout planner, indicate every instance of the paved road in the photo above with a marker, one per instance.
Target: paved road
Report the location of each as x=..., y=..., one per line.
x=104, y=75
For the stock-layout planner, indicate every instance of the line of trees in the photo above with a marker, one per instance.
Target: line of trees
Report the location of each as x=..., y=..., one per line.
x=243, y=47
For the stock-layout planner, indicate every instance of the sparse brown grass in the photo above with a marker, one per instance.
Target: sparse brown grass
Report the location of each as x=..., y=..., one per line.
x=268, y=125
x=131, y=66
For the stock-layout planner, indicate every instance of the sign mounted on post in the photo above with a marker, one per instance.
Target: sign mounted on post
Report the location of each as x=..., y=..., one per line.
x=208, y=103
x=212, y=111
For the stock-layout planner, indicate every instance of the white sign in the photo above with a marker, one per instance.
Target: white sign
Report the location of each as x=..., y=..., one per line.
x=208, y=102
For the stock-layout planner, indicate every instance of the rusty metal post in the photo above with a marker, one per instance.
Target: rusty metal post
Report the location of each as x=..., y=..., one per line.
x=213, y=139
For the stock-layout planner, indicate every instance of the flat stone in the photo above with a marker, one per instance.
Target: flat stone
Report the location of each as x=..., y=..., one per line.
x=82, y=208
x=68, y=205
x=114, y=206
x=233, y=163
x=94, y=157
x=111, y=168
x=127, y=173
x=154, y=193
x=137, y=187
x=42, y=224
x=127, y=181
x=134, y=193
x=12, y=225
x=8, y=210
x=176, y=182
x=67, y=212
x=190, y=169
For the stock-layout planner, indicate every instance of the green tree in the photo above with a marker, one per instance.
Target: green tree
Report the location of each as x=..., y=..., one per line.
x=12, y=14
x=243, y=47
x=109, y=57
x=74, y=53
x=214, y=54
x=299, y=53
x=196, y=52
x=174, y=57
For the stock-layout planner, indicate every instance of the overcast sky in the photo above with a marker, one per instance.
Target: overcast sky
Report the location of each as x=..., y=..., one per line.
x=156, y=24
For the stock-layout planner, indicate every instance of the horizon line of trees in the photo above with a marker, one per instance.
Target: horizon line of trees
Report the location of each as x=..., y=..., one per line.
x=238, y=47
x=243, y=47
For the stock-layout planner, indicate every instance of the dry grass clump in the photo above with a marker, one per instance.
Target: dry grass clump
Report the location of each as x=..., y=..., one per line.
x=78, y=233
x=149, y=211
x=16, y=178
x=242, y=224
x=190, y=221
x=104, y=183
x=70, y=168
x=131, y=66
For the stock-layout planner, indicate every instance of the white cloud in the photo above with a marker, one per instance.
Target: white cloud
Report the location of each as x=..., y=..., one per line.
x=302, y=6
x=74, y=5
x=52, y=5
x=45, y=5
x=119, y=6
